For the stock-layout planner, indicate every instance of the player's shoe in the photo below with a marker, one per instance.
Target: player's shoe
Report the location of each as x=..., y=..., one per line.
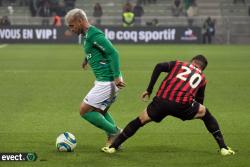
x=109, y=150
x=226, y=151
x=112, y=137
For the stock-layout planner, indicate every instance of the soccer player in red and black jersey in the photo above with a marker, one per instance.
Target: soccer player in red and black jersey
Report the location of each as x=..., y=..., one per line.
x=181, y=95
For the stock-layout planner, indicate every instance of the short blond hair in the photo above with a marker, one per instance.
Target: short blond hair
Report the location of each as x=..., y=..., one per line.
x=75, y=12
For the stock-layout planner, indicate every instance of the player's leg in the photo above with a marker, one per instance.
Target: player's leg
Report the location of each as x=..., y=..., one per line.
x=213, y=127
x=94, y=105
x=111, y=137
x=128, y=131
x=97, y=119
x=113, y=92
x=156, y=111
x=108, y=116
x=131, y=129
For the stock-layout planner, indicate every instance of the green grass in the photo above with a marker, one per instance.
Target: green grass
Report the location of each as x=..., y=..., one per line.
x=41, y=87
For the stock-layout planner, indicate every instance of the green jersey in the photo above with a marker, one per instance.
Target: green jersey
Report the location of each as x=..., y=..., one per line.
x=101, y=55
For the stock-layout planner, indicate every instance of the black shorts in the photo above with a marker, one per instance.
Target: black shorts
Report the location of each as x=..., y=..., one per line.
x=159, y=109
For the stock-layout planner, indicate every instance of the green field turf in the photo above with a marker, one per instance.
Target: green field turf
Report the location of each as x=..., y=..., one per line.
x=41, y=87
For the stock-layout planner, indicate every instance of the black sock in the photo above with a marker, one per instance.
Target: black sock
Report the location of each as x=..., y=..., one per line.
x=213, y=127
x=128, y=131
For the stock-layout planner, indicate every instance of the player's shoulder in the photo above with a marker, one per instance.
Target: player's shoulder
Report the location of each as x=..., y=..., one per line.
x=95, y=30
x=179, y=62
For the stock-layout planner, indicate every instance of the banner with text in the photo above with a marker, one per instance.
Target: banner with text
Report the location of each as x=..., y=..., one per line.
x=35, y=34
x=141, y=35
x=153, y=35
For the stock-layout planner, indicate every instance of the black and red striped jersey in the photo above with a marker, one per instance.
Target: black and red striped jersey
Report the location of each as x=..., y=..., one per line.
x=183, y=84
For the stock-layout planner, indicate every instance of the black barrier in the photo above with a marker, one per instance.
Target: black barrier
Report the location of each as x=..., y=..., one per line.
x=35, y=34
x=141, y=35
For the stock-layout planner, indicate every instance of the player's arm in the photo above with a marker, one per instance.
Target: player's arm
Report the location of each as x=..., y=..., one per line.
x=85, y=63
x=160, y=67
x=200, y=95
x=105, y=46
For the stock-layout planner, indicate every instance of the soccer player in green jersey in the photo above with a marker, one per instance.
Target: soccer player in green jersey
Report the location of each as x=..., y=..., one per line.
x=103, y=58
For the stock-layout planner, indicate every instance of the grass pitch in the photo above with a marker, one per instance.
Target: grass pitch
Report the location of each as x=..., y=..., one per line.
x=41, y=87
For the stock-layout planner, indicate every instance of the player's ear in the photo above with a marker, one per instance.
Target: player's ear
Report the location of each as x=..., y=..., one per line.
x=80, y=20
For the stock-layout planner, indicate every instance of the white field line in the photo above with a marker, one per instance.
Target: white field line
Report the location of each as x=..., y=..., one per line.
x=3, y=46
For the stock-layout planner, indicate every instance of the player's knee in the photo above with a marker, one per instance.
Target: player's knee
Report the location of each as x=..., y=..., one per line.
x=83, y=109
x=207, y=115
x=81, y=112
x=144, y=118
x=201, y=111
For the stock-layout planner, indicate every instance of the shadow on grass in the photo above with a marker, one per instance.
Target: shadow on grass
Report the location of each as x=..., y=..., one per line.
x=169, y=149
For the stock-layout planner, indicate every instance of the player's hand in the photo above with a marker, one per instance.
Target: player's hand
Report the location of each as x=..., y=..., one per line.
x=85, y=65
x=119, y=82
x=145, y=96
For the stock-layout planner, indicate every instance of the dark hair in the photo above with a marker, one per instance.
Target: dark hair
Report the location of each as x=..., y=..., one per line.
x=201, y=61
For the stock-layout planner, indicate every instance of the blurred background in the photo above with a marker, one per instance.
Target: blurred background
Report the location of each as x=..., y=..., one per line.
x=220, y=21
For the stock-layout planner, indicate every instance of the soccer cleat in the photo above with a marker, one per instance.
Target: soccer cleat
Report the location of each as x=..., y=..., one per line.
x=112, y=137
x=226, y=151
x=109, y=150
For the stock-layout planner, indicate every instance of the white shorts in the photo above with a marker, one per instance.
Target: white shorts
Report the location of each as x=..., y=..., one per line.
x=102, y=95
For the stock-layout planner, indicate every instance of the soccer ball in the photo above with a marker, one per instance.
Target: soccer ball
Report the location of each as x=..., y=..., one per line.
x=66, y=142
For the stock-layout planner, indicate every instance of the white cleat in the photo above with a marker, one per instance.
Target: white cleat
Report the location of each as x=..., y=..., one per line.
x=226, y=152
x=109, y=150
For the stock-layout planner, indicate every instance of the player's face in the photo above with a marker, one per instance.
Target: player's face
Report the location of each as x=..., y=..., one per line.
x=196, y=64
x=76, y=26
